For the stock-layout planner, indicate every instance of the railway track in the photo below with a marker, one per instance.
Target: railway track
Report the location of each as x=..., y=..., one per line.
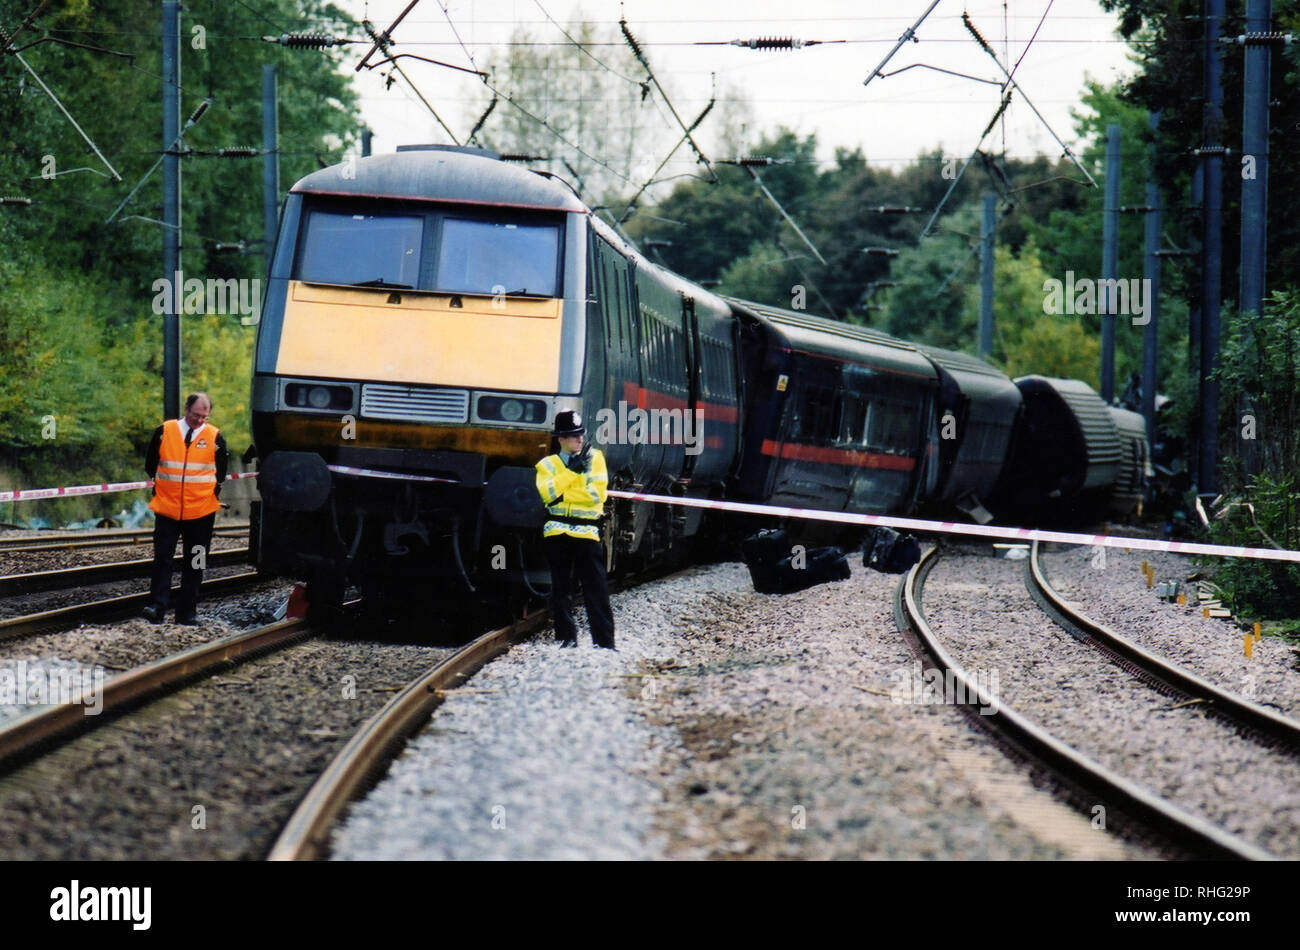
x=27, y=734
x=1183, y=686
x=67, y=577
x=173, y=737
x=366, y=756
x=1129, y=807
x=109, y=609
x=115, y=537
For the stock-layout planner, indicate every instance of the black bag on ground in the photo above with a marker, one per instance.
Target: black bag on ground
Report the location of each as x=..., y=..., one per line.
x=889, y=552
x=777, y=569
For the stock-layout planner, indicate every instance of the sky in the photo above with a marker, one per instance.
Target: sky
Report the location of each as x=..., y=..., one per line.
x=815, y=90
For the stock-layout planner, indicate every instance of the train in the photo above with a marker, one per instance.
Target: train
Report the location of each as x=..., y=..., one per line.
x=428, y=312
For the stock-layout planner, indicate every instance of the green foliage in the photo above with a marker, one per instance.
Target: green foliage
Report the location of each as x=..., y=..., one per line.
x=1262, y=589
x=78, y=339
x=217, y=358
x=1261, y=371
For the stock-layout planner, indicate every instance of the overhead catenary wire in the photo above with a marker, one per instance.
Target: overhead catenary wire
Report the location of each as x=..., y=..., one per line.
x=651, y=180
x=1002, y=107
x=382, y=43
x=195, y=116
x=645, y=63
x=908, y=34
x=68, y=115
x=1015, y=85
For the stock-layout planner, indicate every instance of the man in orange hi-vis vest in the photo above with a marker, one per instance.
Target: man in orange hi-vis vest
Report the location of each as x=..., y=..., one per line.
x=187, y=460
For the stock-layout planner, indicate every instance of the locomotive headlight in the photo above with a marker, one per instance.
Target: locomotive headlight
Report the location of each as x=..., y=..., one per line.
x=517, y=410
x=318, y=397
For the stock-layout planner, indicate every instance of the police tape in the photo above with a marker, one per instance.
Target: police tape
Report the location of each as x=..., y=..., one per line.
x=994, y=532
x=971, y=530
x=103, y=489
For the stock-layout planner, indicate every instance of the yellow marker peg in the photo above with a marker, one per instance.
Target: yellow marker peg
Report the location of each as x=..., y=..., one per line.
x=1146, y=568
x=1257, y=634
x=1151, y=579
x=1182, y=599
x=1249, y=645
x=1205, y=612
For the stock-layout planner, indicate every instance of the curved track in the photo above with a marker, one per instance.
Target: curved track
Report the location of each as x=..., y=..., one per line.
x=1134, y=808
x=1269, y=726
x=306, y=835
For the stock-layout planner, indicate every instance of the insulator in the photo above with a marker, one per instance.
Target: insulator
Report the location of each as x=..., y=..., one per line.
x=14, y=200
x=239, y=151
x=754, y=160
x=224, y=246
x=965, y=18
x=303, y=40
x=1262, y=39
x=201, y=108
x=774, y=42
x=521, y=157
x=631, y=40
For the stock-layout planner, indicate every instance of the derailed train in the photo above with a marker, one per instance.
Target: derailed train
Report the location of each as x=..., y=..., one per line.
x=429, y=312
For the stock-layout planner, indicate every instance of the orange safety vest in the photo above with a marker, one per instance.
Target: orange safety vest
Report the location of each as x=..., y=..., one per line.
x=184, y=487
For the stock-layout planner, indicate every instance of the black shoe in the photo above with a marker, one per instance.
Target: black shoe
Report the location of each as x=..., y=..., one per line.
x=189, y=620
x=568, y=644
x=152, y=613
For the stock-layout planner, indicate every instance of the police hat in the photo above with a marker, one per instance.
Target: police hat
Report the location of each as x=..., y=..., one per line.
x=568, y=422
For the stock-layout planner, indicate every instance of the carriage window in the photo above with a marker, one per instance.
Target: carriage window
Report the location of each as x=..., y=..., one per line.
x=889, y=426
x=477, y=256
x=379, y=250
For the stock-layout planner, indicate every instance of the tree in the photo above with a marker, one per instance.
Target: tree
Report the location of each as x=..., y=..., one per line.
x=589, y=93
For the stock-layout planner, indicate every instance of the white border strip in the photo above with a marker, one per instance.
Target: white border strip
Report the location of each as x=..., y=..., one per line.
x=103, y=489
x=974, y=530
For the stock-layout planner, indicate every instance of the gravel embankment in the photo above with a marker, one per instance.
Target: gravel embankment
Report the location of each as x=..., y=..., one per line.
x=53, y=665
x=211, y=772
x=980, y=608
x=1211, y=648
x=730, y=724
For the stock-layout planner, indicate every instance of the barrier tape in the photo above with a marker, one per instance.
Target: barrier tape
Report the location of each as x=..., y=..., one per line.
x=103, y=489
x=972, y=530
x=777, y=511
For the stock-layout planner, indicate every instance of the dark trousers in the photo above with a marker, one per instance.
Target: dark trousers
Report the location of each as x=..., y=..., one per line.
x=564, y=553
x=194, y=532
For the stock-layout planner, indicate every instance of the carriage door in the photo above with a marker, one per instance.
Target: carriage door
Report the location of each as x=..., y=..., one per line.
x=690, y=422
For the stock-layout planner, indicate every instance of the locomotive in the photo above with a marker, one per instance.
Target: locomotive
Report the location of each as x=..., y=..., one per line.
x=428, y=312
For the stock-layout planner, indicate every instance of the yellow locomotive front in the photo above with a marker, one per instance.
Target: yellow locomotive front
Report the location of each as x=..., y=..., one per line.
x=416, y=342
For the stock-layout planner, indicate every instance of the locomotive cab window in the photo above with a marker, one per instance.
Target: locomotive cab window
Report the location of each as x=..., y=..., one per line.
x=486, y=257
x=366, y=249
x=374, y=245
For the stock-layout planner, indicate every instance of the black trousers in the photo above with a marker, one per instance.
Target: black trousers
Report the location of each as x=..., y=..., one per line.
x=193, y=532
x=564, y=554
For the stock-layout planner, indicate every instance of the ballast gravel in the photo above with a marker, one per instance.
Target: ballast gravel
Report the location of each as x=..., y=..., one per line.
x=211, y=772
x=1213, y=647
x=728, y=725
x=980, y=609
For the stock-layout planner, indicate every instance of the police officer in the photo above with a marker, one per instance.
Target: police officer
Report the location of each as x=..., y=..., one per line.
x=187, y=460
x=572, y=484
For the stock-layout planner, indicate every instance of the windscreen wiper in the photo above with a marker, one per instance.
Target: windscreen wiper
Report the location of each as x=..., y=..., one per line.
x=380, y=282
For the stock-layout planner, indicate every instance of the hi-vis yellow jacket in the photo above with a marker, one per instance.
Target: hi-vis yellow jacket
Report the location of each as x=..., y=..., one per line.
x=575, y=500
